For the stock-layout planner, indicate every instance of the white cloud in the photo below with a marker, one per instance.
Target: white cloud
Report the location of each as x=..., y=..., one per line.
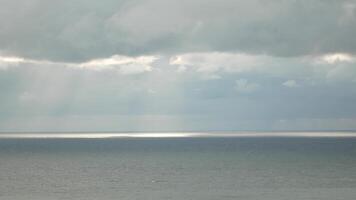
x=123, y=64
x=331, y=66
x=335, y=67
x=335, y=58
x=11, y=59
x=291, y=83
x=178, y=60
x=6, y=62
x=243, y=85
x=224, y=62
x=211, y=62
x=213, y=65
x=14, y=61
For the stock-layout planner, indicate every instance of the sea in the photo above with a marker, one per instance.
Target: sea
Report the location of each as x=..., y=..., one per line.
x=178, y=166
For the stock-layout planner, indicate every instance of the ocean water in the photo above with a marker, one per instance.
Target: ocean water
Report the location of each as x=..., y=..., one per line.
x=179, y=168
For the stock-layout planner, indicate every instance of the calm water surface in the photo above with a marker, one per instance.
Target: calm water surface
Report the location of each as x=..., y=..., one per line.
x=263, y=168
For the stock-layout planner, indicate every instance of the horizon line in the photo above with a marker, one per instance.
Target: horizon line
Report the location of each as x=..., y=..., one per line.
x=102, y=135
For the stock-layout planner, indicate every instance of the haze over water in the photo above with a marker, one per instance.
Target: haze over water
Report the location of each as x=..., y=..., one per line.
x=182, y=167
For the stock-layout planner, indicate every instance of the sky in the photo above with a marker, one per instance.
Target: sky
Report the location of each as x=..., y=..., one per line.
x=177, y=65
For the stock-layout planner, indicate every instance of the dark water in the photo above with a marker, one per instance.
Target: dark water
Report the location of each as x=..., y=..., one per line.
x=268, y=168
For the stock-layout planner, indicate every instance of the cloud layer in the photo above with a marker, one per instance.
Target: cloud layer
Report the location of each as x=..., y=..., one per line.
x=160, y=65
x=80, y=30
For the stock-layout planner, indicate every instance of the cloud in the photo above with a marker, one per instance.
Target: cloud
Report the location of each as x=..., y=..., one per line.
x=244, y=86
x=211, y=62
x=214, y=65
x=6, y=62
x=59, y=92
x=11, y=60
x=77, y=31
x=205, y=63
x=337, y=66
x=316, y=68
x=291, y=83
x=123, y=64
x=336, y=58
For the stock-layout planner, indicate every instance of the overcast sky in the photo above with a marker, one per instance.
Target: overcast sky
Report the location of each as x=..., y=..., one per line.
x=177, y=65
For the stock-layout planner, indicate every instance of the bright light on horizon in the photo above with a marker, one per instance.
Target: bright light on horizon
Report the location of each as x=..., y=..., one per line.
x=172, y=135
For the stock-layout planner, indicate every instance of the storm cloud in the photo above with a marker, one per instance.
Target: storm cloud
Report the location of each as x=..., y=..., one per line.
x=83, y=30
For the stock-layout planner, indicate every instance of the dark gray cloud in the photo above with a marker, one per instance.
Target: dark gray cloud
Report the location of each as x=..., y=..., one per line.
x=80, y=30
